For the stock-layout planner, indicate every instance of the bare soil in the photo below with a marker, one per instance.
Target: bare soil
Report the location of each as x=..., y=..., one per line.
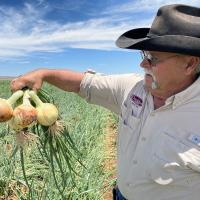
x=110, y=158
x=6, y=77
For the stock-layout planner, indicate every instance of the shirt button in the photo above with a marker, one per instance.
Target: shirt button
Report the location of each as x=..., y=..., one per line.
x=135, y=162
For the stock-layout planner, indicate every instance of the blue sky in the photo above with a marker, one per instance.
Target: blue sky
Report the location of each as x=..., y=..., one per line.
x=77, y=35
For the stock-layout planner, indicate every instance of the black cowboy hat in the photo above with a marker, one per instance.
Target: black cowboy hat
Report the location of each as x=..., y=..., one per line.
x=176, y=28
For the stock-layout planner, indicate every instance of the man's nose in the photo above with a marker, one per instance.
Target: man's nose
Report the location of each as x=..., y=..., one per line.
x=145, y=64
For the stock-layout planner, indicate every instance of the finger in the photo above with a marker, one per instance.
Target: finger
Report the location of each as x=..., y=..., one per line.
x=36, y=86
x=16, y=87
x=16, y=84
x=13, y=86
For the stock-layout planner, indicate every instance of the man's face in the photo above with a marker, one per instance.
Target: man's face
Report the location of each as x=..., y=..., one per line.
x=166, y=71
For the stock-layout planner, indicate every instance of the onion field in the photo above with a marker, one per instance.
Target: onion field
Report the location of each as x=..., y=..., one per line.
x=37, y=178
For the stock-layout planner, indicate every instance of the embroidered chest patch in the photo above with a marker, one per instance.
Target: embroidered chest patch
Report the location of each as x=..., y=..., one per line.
x=136, y=100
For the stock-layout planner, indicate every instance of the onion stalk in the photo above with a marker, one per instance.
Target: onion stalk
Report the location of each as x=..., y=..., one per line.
x=6, y=110
x=24, y=115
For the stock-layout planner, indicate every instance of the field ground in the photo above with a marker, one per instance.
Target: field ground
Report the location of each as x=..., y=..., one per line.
x=110, y=157
x=93, y=130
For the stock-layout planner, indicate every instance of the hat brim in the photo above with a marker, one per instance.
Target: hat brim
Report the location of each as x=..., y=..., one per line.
x=139, y=39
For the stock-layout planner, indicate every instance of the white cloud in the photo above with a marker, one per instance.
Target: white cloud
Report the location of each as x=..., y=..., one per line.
x=25, y=31
x=146, y=5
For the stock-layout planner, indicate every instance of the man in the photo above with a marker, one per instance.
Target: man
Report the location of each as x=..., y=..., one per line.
x=159, y=130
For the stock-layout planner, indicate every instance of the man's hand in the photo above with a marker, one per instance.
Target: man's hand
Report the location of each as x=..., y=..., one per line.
x=32, y=80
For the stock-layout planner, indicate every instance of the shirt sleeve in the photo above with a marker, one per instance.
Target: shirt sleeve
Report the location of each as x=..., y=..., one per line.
x=108, y=91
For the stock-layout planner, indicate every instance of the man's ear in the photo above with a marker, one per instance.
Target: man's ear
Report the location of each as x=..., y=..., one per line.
x=192, y=65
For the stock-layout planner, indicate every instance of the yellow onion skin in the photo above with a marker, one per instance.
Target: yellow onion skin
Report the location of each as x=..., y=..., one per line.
x=6, y=111
x=47, y=114
x=24, y=116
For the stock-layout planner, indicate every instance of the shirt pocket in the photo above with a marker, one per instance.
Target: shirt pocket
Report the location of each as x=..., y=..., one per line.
x=174, y=161
x=128, y=132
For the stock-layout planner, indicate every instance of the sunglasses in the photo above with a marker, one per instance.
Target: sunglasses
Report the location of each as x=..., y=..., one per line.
x=153, y=61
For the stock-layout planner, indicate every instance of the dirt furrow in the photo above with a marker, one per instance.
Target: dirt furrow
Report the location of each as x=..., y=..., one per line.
x=110, y=157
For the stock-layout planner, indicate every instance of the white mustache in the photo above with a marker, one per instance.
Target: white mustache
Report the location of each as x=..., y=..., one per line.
x=154, y=84
x=148, y=72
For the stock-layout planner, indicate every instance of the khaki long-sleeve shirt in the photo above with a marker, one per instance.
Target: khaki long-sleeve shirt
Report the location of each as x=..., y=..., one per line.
x=158, y=150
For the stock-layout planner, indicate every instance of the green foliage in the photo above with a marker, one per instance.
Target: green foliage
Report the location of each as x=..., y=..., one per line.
x=85, y=124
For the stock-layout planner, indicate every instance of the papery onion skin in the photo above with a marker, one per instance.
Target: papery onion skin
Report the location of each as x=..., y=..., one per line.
x=24, y=115
x=47, y=114
x=6, y=111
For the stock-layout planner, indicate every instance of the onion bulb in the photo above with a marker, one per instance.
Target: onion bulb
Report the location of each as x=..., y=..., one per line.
x=6, y=110
x=47, y=113
x=24, y=115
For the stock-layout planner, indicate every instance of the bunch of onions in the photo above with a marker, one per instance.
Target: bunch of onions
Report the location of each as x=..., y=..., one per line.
x=6, y=110
x=57, y=146
x=47, y=114
x=24, y=115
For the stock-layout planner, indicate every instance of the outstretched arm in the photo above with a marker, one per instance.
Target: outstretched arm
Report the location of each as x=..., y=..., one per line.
x=64, y=79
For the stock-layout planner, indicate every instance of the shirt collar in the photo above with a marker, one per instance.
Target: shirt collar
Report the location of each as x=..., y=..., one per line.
x=189, y=94
x=184, y=96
